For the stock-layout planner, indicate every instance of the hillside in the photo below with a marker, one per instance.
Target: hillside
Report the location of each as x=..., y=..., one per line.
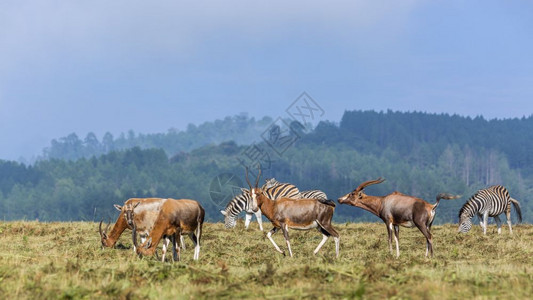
x=418, y=154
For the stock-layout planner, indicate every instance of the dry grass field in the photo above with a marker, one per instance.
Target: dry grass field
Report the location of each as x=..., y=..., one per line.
x=65, y=261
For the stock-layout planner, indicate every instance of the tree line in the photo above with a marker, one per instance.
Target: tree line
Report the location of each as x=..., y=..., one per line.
x=418, y=154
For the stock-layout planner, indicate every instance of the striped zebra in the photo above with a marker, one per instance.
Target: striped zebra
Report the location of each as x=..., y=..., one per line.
x=240, y=203
x=489, y=202
x=311, y=194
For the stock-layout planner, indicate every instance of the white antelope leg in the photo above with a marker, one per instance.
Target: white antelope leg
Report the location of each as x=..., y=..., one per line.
x=259, y=218
x=322, y=242
x=166, y=242
x=395, y=239
x=247, y=220
x=337, y=246
x=286, y=235
x=269, y=236
x=197, y=246
x=182, y=242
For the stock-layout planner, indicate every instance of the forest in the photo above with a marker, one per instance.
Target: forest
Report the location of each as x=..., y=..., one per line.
x=420, y=154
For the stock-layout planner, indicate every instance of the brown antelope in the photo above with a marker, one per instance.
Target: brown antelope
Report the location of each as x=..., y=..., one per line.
x=129, y=214
x=147, y=212
x=302, y=214
x=397, y=209
x=175, y=217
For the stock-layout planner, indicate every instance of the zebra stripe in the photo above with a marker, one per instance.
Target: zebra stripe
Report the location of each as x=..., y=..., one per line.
x=489, y=202
x=313, y=194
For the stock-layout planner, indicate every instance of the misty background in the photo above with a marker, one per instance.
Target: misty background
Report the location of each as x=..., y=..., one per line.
x=103, y=101
x=100, y=66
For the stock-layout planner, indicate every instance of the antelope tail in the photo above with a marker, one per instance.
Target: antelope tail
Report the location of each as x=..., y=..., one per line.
x=327, y=202
x=516, y=205
x=445, y=196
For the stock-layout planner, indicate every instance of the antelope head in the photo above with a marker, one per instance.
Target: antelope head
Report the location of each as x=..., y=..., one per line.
x=129, y=213
x=254, y=191
x=103, y=235
x=355, y=197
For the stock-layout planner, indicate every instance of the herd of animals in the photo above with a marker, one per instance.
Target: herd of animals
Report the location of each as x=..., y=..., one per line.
x=156, y=219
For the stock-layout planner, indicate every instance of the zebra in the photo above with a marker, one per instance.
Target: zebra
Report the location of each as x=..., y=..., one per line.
x=240, y=203
x=311, y=194
x=489, y=202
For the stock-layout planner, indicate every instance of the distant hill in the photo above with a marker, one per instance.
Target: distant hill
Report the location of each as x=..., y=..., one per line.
x=419, y=154
x=240, y=128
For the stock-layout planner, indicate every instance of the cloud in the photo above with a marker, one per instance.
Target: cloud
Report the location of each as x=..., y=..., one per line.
x=41, y=32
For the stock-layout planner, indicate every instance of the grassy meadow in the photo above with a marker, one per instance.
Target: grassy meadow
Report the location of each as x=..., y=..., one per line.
x=65, y=261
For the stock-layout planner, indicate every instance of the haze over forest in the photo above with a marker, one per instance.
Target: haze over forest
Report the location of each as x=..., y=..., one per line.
x=80, y=178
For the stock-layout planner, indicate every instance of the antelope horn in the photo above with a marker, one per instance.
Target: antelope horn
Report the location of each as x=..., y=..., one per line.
x=248, y=180
x=369, y=182
x=258, y=176
x=100, y=228
x=107, y=227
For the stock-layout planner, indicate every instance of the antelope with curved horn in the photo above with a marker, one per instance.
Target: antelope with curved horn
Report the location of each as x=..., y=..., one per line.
x=302, y=214
x=175, y=217
x=146, y=212
x=148, y=209
x=397, y=209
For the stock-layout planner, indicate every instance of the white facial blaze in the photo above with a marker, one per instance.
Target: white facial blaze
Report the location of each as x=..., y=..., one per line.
x=254, y=201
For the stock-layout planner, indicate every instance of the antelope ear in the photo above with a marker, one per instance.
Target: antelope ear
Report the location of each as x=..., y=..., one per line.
x=118, y=207
x=223, y=212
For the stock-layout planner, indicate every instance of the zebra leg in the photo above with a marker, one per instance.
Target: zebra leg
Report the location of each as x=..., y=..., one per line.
x=259, y=218
x=508, y=216
x=248, y=219
x=498, y=224
x=485, y=222
x=480, y=217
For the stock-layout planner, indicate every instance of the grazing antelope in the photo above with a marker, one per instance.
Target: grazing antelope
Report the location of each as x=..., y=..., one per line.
x=302, y=214
x=129, y=213
x=397, y=209
x=485, y=203
x=175, y=217
x=147, y=212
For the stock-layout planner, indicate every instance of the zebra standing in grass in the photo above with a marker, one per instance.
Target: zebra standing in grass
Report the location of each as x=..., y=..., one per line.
x=240, y=203
x=489, y=202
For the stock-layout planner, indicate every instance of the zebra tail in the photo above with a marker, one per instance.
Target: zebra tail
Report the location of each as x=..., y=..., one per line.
x=445, y=196
x=516, y=205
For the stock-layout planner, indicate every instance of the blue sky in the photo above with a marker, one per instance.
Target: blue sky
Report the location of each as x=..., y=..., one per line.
x=97, y=66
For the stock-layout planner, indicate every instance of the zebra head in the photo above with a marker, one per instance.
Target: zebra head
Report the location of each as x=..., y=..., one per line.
x=270, y=182
x=465, y=224
x=230, y=222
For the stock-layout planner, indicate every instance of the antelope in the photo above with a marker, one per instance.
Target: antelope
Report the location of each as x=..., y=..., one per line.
x=129, y=214
x=302, y=214
x=175, y=217
x=147, y=212
x=397, y=209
